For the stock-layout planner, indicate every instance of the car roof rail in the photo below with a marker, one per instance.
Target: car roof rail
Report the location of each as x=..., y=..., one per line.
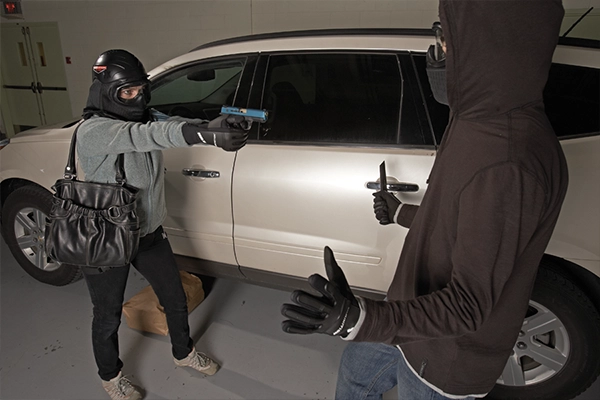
x=320, y=32
x=566, y=41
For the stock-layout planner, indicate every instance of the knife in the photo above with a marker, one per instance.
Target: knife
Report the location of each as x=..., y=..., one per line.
x=382, y=177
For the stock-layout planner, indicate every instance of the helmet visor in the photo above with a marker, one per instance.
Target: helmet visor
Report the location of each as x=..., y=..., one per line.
x=130, y=92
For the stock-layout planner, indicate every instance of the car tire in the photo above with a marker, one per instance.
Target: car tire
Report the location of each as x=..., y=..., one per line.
x=23, y=226
x=570, y=337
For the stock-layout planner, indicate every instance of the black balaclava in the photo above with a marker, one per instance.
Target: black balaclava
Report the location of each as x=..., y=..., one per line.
x=436, y=66
x=113, y=70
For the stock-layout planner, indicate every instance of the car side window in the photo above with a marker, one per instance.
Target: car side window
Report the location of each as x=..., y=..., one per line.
x=337, y=98
x=572, y=99
x=199, y=90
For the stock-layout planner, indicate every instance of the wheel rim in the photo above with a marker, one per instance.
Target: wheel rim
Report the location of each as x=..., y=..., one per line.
x=541, y=350
x=29, y=232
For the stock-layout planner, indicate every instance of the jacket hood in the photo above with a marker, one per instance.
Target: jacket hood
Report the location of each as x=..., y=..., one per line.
x=498, y=52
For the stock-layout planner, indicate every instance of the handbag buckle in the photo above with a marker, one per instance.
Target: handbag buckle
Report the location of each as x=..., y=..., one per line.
x=68, y=174
x=114, y=211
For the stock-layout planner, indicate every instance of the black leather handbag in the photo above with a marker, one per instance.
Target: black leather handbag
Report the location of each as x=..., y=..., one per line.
x=92, y=224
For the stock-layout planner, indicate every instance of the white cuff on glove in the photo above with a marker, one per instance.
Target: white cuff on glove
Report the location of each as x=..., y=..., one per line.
x=395, y=220
x=360, y=321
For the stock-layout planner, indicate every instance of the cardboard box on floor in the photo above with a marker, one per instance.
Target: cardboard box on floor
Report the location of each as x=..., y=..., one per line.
x=143, y=311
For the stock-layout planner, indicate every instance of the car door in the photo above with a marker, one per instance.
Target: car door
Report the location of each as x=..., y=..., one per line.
x=198, y=178
x=306, y=179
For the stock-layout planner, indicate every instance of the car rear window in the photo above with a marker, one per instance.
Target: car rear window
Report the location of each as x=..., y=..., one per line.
x=572, y=99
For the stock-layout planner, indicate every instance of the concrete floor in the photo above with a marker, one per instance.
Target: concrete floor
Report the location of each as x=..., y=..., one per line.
x=46, y=347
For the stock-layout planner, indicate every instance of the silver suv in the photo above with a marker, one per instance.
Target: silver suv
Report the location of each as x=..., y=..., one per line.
x=340, y=102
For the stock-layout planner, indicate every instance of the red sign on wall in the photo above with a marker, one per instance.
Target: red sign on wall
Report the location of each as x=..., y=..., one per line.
x=12, y=9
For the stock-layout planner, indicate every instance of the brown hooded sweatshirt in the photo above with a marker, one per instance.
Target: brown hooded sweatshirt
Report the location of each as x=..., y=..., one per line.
x=468, y=265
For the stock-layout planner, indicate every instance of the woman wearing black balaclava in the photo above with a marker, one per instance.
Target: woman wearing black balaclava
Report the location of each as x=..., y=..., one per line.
x=116, y=120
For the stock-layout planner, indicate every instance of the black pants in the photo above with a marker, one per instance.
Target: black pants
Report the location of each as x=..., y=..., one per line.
x=155, y=261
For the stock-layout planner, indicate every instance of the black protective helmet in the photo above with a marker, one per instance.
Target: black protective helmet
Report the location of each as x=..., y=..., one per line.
x=119, y=66
x=114, y=70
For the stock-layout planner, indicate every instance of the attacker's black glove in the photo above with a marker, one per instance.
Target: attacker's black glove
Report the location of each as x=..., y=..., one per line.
x=226, y=131
x=335, y=313
x=385, y=206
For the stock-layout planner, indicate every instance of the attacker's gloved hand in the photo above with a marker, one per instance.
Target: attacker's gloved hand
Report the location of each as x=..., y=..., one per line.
x=226, y=131
x=385, y=206
x=335, y=313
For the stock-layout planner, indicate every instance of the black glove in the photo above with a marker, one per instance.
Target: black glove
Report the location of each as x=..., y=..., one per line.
x=334, y=313
x=231, y=121
x=225, y=131
x=385, y=206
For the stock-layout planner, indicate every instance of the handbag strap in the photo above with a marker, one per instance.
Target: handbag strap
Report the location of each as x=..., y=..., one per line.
x=71, y=172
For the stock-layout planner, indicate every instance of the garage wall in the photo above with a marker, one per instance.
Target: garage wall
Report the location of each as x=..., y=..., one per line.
x=157, y=30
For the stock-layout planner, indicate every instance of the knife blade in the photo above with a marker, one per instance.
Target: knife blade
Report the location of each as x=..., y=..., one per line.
x=382, y=177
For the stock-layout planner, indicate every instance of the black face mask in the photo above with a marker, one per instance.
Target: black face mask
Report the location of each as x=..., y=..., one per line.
x=103, y=101
x=436, y=67
x=436, y=72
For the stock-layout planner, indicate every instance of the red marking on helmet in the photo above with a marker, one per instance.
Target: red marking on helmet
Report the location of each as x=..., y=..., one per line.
x=99, y=68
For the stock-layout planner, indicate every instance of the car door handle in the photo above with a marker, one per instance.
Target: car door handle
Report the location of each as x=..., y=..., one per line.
x=200, y=173
x=395, y=187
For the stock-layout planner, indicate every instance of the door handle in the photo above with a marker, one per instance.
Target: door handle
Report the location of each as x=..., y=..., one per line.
x=200, y=173
x=395, y=187
x=33, y=87
x=40, y=88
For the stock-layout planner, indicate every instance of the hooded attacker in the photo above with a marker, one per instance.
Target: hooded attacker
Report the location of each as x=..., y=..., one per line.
x=462, y=286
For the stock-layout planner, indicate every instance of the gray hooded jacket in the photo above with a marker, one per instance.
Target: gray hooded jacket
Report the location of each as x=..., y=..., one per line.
x=100, y=140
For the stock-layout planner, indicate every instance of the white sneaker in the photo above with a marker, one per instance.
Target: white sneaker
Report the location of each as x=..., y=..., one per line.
x=119, y=388
x=200, y=362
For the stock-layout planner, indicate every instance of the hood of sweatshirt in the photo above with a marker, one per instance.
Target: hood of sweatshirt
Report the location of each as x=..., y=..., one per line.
x=498, y=53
